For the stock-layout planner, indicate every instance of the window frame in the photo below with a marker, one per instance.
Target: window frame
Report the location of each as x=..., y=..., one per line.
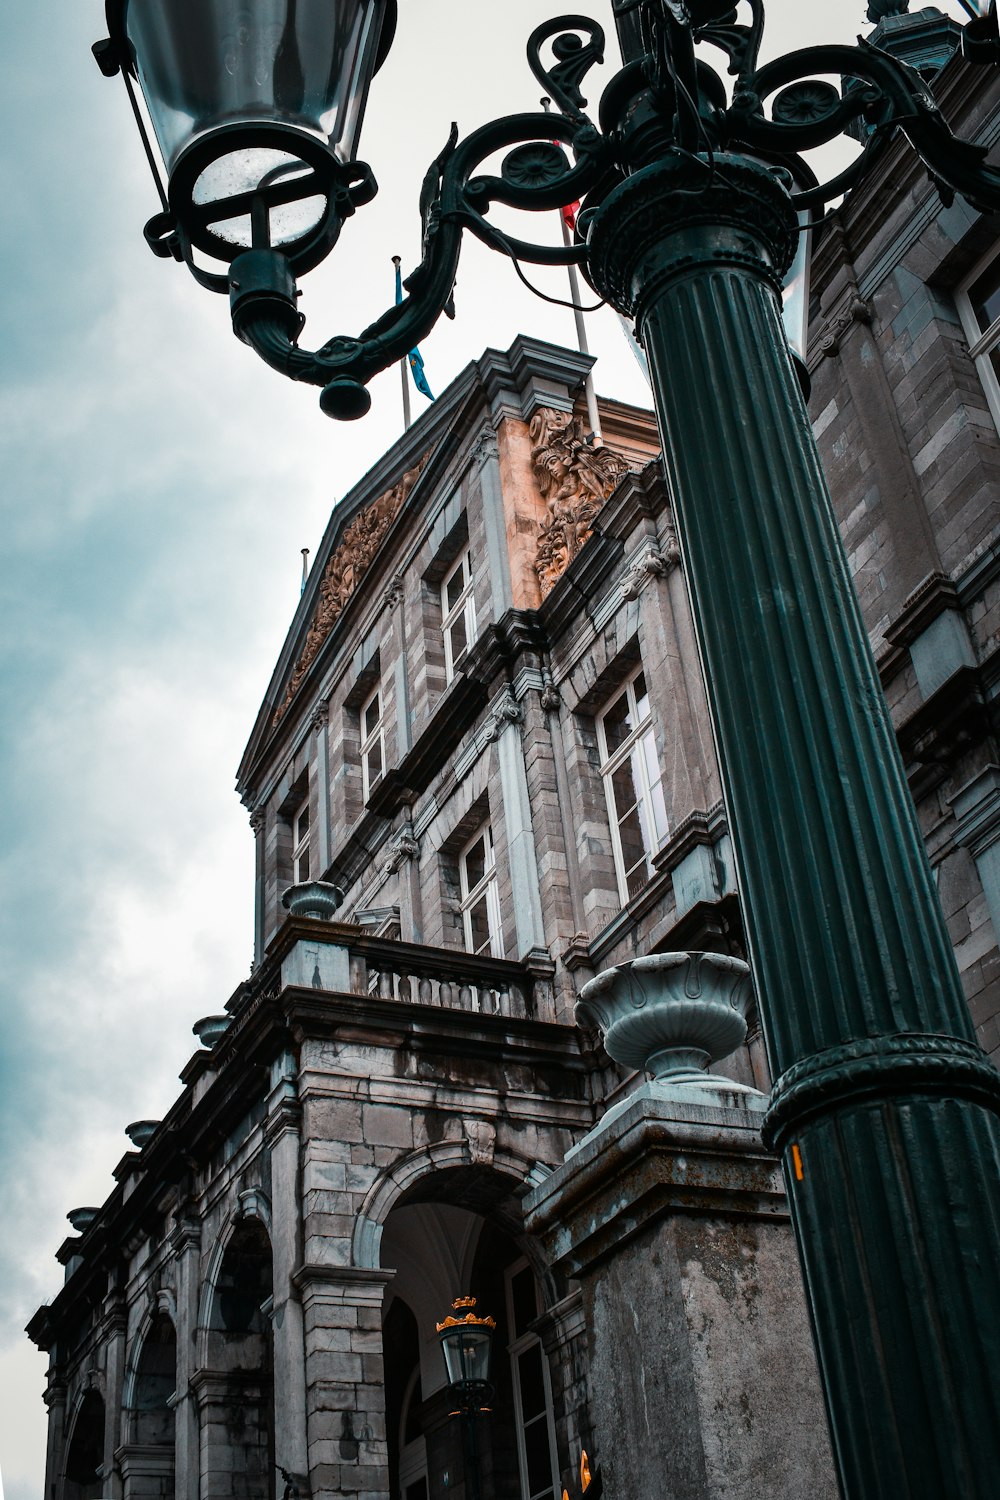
x=369, y=741
x=464, y=606
x=413, y=1454
x=486, y=887
x=520, y=1344
x=301, y=842
x=982, y=342
x=629, y=753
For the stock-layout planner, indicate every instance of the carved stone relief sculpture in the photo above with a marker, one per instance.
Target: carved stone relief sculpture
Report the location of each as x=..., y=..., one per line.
x=348, y=564
x=575, y=479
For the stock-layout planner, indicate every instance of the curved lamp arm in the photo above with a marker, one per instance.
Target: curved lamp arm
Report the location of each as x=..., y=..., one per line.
x=670, y=101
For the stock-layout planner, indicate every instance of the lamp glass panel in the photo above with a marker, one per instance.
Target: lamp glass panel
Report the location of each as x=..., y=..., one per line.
x=301, y=63
x=467, y=1354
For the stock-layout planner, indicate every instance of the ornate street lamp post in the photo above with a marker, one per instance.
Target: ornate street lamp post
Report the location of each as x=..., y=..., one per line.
x=466, y=1343
x=885, y=1111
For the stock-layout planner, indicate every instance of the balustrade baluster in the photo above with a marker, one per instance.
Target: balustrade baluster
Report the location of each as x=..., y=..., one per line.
x=405, y=989
x=425, y=990
x=444, y=993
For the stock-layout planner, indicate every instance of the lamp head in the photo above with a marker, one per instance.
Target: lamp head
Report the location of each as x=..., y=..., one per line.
x=466, y=1343
x=257, y=107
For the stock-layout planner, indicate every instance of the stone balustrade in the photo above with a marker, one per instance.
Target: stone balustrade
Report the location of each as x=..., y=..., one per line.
x=342, y=958
x=417, y=975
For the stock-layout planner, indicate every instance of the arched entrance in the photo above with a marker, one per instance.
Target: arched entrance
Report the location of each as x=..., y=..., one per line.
x=456, y=1233
x=236, y=1385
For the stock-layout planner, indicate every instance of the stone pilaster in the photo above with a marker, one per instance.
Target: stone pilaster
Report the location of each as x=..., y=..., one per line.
x=258, y=826
x=345, y=1394
x=321, y=725
x=674, y=1221
x=55, y=1401
x=147, y=1471
x=283, y=1133
x=115, y=1328
x=530, y=929
x=187, y=1248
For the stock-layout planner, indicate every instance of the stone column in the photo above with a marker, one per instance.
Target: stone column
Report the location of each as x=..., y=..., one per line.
x=885, y=1111
x=187, y=1250
x=702, y=1375
x=345, y=1392
x=283, y=1135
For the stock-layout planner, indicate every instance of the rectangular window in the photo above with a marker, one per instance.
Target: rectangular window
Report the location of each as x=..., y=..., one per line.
x=536, y=1446
x=978, y=304
x=372, y=742
x=458, y=612
x=300, y=844
x=632, y=784
x=477, y=874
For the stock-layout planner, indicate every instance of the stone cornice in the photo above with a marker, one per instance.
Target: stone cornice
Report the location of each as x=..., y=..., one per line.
x=932, y=596
x=659, y=1158
x=455, y=711
x=934, y=738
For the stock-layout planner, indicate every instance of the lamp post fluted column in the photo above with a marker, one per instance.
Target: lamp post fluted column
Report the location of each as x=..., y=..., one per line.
x=885, y=1111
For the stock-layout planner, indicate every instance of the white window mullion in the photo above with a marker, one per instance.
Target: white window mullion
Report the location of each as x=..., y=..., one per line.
x=301, y=862
x=458, y=612
x=981, y=289
x=372, y=742
x=632, y=784
x=480, y=904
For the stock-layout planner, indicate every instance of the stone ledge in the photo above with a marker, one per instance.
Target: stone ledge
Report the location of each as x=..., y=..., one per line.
x=661, y=1157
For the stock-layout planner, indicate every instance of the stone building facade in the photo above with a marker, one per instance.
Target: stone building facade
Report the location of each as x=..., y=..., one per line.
x=483, y=773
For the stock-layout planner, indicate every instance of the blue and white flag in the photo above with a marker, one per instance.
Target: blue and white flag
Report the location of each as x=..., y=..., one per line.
x=414, y=357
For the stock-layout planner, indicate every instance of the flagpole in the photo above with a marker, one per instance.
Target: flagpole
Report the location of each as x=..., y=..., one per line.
x=593, y=414
x=581, y=338
x=404, y=377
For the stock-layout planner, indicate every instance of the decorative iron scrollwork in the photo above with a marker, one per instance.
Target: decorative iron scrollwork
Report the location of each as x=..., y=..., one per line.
x=669, y=104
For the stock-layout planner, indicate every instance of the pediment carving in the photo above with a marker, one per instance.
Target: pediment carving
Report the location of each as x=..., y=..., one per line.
x=348, y=564
x=575, y=479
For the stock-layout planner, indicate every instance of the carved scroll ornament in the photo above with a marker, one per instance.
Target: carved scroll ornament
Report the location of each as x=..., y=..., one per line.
x=575, y=479
x=348, y=564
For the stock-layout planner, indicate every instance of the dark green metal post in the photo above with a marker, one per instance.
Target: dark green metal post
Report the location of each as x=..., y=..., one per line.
x=885, y=1111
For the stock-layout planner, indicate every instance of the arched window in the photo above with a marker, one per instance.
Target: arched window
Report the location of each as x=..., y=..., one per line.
x=85, y=1455
x=155, y=1382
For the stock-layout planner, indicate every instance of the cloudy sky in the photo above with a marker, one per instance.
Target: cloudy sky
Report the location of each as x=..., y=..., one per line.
x=158, y=483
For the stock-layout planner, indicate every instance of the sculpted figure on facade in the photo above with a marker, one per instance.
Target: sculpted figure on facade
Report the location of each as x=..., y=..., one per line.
x=348, y=564
x=575, y=479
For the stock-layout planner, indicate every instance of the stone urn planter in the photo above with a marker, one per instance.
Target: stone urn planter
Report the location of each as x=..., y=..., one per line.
x=82, y=1218
x=314, y=898
x=210, y=1029
x=141, y=1132
x=672, y=1015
